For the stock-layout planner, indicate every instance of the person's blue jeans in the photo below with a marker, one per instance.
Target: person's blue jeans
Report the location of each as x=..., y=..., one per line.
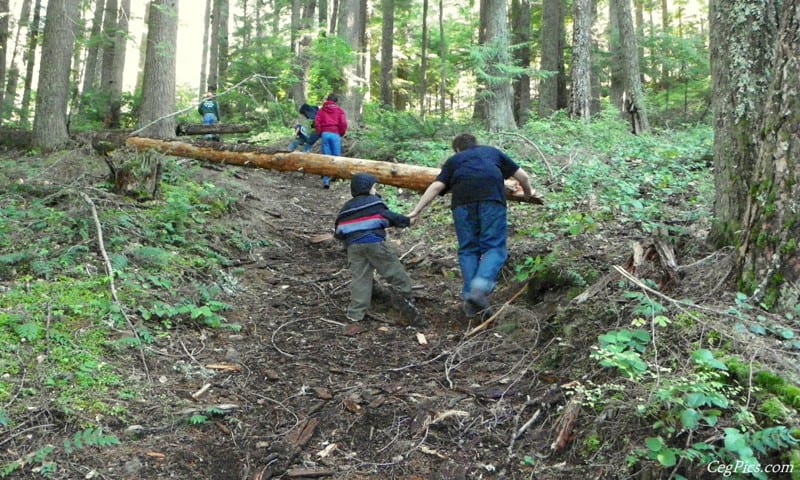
x=209, y=119
x=331, y=145
x=481, y=229
x=307, y=146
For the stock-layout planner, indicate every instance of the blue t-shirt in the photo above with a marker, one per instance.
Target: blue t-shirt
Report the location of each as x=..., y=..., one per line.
x=477, y=174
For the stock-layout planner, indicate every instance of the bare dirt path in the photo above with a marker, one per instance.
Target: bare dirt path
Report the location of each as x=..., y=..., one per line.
x=299, y=393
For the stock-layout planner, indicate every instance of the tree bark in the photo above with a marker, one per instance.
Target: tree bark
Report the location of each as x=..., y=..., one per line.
x=770, y=256
x=740, y=77
x=616, y=76
x=351, y=28
x=204, y=58
x=4, y=14
x=14, y=66
x=30, y=63
x=521, y=35
x=552, y=89
x=581, y=60
x=633, y=83
x=387, y=52
x=92, y=52
x=400, y=175
x=499, y=111
x=423, y=67
x=158, y=88
x=52, y=94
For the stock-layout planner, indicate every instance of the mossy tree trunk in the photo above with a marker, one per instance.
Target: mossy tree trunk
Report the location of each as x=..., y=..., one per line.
x=769, y=258
x=740, y=77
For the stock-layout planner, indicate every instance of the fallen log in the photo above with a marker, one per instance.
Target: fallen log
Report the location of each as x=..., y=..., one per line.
x=198, y=129
x=400, y=175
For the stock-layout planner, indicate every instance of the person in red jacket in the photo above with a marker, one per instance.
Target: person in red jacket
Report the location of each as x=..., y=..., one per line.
x=331, y=125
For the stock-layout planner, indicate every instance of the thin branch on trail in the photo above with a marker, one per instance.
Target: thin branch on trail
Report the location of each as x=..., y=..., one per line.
x=491, y=319
x=110, y=272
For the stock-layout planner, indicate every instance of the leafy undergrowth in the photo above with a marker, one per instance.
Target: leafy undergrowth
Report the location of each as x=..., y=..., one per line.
x=202, y=335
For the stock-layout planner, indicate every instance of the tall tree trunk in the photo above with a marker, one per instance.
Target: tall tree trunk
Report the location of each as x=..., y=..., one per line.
x=521, y=36
x=322, y=18
x=499, y=111
x=142, y=52
x=479, y=109
x=77, y=60
x=108, y=51
x=5, y=12
x=770, y=257
x=14, y=66
x=581, y=60
x=443, y=63
x=92, y=52
x=423, y=69
x=552, y=88
x=633, y=85
x=52, y=94
x=616, y=72
x=213, y=47
x=204, y=58
x=117, y=72
x=302, y=57
x=594, y=80
x=739, y=78
x=351, y=28
x=638, y=9
x=30, y=62
x=387, y=52
x=223, y=57
x=666, y=54
x=158, y=89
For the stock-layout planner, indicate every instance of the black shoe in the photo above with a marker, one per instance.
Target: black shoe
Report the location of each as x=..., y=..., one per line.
x=470, y=310
x=412, y=314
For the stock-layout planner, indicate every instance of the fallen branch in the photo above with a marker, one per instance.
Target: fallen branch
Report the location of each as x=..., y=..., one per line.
x=110, y=273
x=491, y=319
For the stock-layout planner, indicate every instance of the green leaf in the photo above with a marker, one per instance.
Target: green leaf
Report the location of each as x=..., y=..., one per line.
x=690, y=418
x=667, y=458
x=705, y=357
x=654, y=444
x=694, y=400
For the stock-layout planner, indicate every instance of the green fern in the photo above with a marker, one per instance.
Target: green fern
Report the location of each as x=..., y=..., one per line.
x=91, y=437
x=772, y=439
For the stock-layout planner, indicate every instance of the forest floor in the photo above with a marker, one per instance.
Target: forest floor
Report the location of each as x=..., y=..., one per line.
x=299, y=392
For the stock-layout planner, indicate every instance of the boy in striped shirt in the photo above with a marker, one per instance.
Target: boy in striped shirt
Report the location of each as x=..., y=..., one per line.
x=361, y=225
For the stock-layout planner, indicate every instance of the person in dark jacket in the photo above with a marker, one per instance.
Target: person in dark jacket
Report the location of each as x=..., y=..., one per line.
x=361, y=224
x=209, y=109
x=302, y=137
x=475, y=176
x=331, y=125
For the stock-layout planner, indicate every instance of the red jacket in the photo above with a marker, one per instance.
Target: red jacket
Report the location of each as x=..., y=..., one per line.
x=331, y=119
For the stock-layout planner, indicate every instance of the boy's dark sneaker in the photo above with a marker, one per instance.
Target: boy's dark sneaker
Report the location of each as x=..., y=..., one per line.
x=470, y=310
x=411, y=313
x=479, y=299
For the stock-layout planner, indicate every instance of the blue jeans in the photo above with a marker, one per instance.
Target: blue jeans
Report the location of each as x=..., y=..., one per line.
x=331, y=145
x=209, y=119
x=481, y=229
x=307, y=145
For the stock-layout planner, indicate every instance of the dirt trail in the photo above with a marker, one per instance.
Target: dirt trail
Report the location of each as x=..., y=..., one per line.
x=299, y=393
